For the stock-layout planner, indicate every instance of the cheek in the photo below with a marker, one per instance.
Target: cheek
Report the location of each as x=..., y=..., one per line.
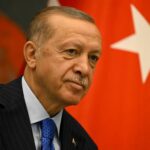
x=55, y=72
x=91, y=74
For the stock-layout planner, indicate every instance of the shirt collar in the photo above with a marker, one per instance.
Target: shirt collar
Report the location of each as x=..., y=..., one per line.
x=35, y=109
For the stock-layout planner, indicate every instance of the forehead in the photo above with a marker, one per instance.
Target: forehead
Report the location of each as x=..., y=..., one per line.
x=65, y=26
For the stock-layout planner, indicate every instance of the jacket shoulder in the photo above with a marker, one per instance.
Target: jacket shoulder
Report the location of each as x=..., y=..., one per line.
x=1, y=85
x=10, y=92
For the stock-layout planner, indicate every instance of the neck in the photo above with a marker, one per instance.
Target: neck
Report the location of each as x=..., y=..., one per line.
x=51, y=106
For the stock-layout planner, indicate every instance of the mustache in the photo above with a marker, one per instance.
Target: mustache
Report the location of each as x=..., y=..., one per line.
x=79, y=80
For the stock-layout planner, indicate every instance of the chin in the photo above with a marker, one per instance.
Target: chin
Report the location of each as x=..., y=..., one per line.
x=72, y=101
x=69, y=98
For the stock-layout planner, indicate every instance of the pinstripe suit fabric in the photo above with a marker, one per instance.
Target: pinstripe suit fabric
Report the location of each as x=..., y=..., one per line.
x=15, y=127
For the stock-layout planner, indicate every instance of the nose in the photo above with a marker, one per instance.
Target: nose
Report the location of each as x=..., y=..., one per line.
x=82, y=66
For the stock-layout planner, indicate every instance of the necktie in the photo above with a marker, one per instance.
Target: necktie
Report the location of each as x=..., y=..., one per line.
x=48, y=129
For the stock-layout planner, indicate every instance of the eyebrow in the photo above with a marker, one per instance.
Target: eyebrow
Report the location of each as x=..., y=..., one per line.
x=76, y=43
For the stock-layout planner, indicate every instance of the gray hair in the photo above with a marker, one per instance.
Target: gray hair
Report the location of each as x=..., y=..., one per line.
x=39, y=29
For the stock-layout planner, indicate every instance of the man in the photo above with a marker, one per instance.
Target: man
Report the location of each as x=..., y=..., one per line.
x=61, y=53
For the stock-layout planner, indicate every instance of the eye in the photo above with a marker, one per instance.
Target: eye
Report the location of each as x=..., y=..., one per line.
x=71, y=52
x=93, y=59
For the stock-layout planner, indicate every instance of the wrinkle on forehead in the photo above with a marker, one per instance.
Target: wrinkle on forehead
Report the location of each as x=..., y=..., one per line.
x=60, y=22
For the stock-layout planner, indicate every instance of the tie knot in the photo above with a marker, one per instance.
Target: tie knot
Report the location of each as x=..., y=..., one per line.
x=48, y=128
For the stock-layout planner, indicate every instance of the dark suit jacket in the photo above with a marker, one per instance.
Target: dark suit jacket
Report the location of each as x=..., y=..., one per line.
x=15, y=127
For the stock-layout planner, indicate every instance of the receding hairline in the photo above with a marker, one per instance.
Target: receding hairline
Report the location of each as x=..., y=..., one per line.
x=40, y=20
x=66, y=11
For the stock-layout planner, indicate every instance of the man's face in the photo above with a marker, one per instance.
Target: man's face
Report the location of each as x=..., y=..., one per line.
x=66, y=63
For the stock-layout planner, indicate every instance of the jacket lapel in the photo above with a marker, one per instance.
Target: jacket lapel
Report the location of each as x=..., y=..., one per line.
x=16, y=132
x=69, y=136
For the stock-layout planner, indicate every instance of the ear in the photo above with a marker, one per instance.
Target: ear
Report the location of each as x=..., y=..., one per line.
x=29, y=54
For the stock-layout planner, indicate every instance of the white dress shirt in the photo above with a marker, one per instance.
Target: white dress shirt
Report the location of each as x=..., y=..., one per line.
x=38, y=113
